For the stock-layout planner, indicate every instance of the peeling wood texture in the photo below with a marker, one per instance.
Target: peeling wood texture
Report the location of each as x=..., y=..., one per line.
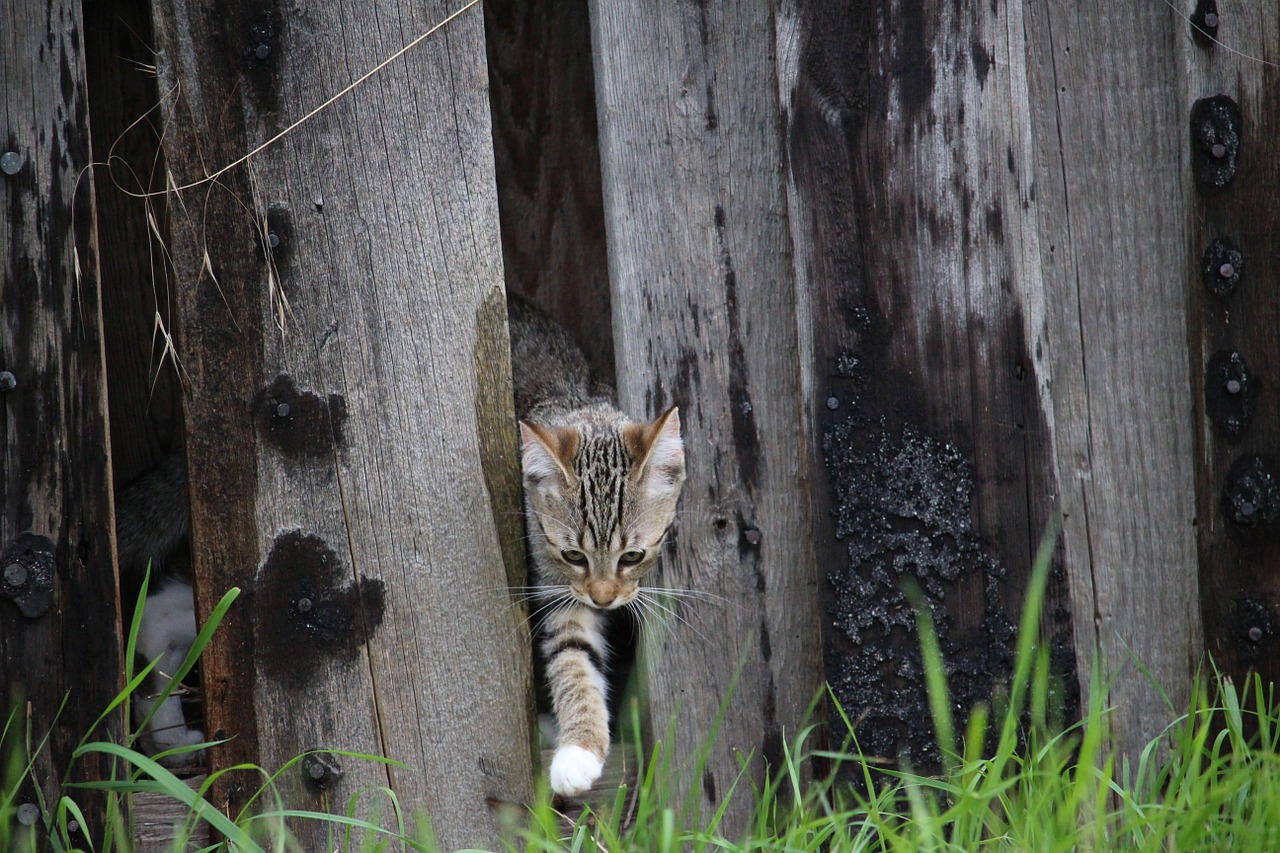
x=704, y=318
x=548, y=165
x=56, y=526
x=1238, y=508
x=352, y=442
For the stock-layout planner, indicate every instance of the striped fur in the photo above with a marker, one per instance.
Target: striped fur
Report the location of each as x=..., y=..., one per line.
x=600, y=495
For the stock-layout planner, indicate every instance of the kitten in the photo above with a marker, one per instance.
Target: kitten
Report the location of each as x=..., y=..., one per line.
x=151, y=524
x=600, y=494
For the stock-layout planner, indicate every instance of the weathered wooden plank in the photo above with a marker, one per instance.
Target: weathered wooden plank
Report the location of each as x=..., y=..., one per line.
x=910, y=175
x=364, y=430
x=704, y=317
x=141, y=382
x=548, y=165
x=1237, y=313
x=1109, y=123
x=158, y=821
x=59, y=623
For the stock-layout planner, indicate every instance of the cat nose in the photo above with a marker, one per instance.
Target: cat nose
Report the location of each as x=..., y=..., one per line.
x=602, y=598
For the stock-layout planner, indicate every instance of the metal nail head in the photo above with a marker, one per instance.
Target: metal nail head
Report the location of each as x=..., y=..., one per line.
x=15, y=574
x=1255, y=634
x=10, y=162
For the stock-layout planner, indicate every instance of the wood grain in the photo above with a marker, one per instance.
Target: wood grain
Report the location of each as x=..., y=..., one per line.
x=55, y=446
x=909, y=198
x=353, y=378
x=704, y=318
x=1110, y=146
x=548, y=165
x=1238, y=562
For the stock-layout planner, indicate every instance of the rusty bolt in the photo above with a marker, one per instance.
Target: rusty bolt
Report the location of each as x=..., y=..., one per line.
x=1255, y=634
x=15, y=574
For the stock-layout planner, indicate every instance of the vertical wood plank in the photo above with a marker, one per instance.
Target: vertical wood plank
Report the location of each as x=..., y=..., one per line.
x=1110, y=177
x=704, y=317
x=910, y=190
x=142, y=382
x=1238, y=510
x=365, y=427
x=548, y=163
x=59, y=617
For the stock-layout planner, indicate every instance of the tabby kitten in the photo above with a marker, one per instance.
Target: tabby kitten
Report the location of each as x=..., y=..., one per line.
x=600, y=494
x=151, y=524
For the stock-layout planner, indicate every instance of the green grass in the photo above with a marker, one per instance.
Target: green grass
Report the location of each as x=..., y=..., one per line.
x=1012, y=779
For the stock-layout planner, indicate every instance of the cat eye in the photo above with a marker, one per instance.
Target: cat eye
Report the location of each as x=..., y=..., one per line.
x=574, y=557
x=630, y=558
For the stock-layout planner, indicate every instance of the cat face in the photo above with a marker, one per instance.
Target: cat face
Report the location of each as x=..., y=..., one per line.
x=601, y=501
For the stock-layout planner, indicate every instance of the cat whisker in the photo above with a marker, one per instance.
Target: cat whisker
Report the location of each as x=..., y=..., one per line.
x=698, y=594
x=651, y=607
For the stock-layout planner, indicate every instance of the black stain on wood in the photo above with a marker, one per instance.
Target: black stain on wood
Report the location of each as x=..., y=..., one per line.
x=1216, y=129
x=1251, y=494
x=1222, y=267
x=903, y=507
x=981, y=58
x=299, y=422
x=308, y=613
x=1204, y=22
x=1229, y=394
x=746, y=443
x=260, y=53
x=1250, y=630
x=911, y=59
x=279, y=234
x=26, y=574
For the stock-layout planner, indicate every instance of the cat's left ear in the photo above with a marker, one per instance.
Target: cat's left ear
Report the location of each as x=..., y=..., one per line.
x=658, y=449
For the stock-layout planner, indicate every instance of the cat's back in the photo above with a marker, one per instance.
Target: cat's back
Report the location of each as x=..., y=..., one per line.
x=547, y=365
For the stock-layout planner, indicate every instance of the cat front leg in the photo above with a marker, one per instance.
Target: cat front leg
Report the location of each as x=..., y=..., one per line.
x=575, y=653
x=165, y=636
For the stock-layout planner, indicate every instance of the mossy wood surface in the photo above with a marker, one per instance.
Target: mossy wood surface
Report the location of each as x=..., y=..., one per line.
x=56, y=484
x=352, y=442
x=704, y=304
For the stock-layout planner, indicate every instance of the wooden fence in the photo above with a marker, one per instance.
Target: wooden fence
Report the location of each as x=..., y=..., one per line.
x=922, y=278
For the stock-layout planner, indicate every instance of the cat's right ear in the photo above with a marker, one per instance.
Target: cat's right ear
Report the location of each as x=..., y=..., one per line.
x=547, y=453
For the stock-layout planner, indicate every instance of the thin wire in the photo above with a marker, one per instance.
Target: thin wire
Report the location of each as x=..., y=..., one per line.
x=358, y=81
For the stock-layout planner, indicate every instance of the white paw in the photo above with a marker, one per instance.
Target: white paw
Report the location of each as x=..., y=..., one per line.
x=574, y=769
x=163, y=741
